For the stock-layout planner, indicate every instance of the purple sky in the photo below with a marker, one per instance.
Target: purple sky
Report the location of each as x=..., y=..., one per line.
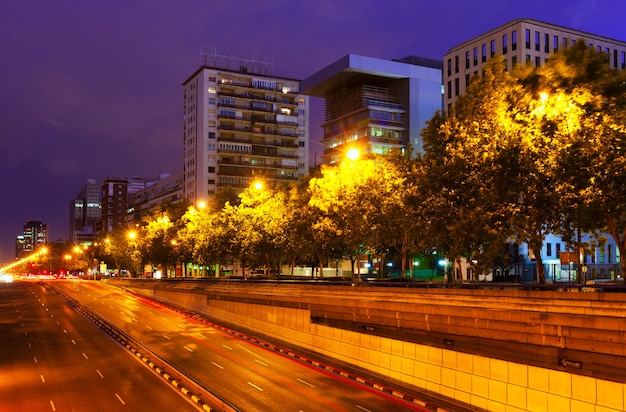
x=90, y=89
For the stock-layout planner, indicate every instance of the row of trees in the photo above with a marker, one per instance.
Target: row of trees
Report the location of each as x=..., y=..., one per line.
x=525, y=152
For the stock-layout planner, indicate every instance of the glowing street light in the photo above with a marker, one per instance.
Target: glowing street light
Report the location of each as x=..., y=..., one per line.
x=353, y=154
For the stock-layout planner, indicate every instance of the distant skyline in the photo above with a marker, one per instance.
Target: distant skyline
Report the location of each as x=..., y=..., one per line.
x=91, y=89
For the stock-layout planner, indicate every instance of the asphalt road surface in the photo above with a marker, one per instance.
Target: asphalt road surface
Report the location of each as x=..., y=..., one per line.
x=245, y=375
x=54, y=359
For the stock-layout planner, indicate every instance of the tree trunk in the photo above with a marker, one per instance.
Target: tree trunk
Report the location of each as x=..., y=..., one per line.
x=620, y=242
x=541, y=271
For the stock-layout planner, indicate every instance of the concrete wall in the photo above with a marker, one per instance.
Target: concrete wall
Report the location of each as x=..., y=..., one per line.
x=491, y=383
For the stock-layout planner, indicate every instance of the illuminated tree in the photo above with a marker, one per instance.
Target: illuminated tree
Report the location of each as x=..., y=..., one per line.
x=258, y=227
x=585, y=110
x=356, y=206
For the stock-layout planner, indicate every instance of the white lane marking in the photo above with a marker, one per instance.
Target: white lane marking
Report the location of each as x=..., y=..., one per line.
x=306, y=383
x=29, y=345
x=64, y=331
x=42, y=379
x=219, y=366
x=251, y=353
x=201, y=335
x=120, y=399
x=85, y=355
x=57, y=323
x=148, y=327
x=100, y=374
x=52, y=406
x=134, y=320
x=187, y=349
x=73, y=341
x=258, y=361
x=254, y=386
x=166, y=337
x=35, y=359
x=227, y=347
x=362, y=408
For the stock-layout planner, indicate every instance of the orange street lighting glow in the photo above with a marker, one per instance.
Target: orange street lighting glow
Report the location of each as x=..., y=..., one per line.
x=353, y=154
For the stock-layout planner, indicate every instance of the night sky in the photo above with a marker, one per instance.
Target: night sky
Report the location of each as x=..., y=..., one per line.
x=90, y=89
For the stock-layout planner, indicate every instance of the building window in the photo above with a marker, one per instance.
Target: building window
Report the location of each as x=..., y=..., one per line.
x=449, y=89
x=558, y=250
x=528, y=58
x=537, y=61
x=537, y=41
x=514, y=40
x=555, y=44
x=527, y=39
x=449, y=67
x=211, y=90
x=212, y=79
x=456, y=86
x=483, y=52
x=492, y=48
x=623, y=60
x=513, y=60
x=546, y=43
x=609, y=254
x=456, y=64
x=548, y=249
x=211, y=169
x=475, y=56
x=467, y=60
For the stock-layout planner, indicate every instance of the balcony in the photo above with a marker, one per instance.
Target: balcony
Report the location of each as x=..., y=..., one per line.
x=264, y=166
x=257, y=130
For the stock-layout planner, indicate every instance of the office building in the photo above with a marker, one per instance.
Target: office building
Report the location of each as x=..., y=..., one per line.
x=241, y=123
x=34, y=236
x=85, y=211
x=519, y=41
x=375, y=105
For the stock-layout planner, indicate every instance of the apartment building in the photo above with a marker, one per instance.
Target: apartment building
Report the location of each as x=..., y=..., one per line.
x=241, y=123
x=374, y=104
x=519, y=41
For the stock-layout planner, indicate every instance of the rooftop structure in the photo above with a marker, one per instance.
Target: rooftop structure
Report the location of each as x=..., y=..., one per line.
x=374, y=104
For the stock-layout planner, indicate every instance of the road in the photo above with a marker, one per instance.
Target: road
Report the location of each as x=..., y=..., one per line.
x=247, y=376
x=54, y=359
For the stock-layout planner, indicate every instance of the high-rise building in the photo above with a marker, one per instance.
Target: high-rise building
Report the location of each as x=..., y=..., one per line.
x=519, y=41
x=114, y=203
x=241, y=123
x=117, y=194
x=35, y=235
x=85, y=211
x=375, y=105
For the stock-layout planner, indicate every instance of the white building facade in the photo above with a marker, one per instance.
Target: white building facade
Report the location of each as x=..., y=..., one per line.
x=241, y=124
x=375, y=105
x=519, y=41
